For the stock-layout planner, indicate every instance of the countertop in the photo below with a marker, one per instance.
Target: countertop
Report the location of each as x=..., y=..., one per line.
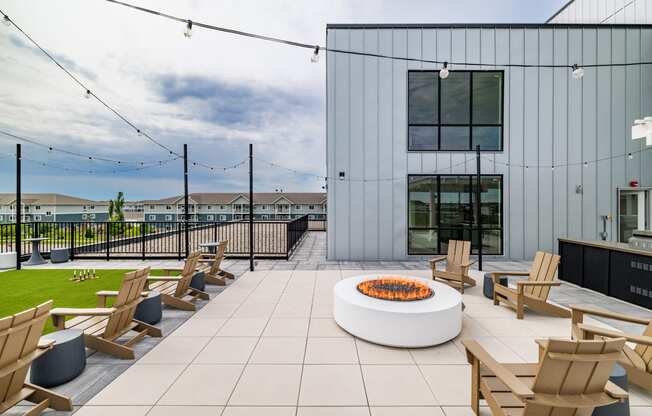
x=611, y=245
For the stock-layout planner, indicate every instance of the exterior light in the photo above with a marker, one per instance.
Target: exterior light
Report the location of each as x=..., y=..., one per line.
x=315, y=56
x=6, y=20
x=578, y=72
x=188, y=32
x=630, y=156
x=88, y=94
x=444, y=72
x=586, y=164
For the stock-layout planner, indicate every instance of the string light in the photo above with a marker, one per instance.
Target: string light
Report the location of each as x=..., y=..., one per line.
x=315, y=56
x=188, y=32
x=88, y=94
x=578, y=72
x=579, y=68
x=443, y=73
x=6, y=20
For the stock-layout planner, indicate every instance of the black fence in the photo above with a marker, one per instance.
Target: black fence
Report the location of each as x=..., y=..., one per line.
x=156, y=240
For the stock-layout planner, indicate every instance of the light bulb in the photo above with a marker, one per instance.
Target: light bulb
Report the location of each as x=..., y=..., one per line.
x=140, y=134
x=188, y=32
x=88, y=94
x=6, y=21
x=578, y=72
x=444, y=73
x=315, y=56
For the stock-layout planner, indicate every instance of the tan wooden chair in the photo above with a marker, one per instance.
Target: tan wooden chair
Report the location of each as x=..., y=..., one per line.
x=19, y=346
x=458, y=263
x=534, y=291
x=637, y=361
x=213, y=272
x=103, y=325
x=571, y=378
x=175, y=290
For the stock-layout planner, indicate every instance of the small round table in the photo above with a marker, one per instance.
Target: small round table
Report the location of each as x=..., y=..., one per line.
x=65, y=361
x=35, y=258
x=211, y=247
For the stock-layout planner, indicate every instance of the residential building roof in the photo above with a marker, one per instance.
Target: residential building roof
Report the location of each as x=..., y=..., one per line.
x=225, y=198
x=47, y=199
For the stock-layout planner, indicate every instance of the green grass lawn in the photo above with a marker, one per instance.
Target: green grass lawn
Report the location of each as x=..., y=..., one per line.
x=24, y=289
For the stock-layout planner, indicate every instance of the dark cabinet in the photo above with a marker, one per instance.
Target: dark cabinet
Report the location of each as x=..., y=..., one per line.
x=570, y=268
x=595, y=273
x=631, y=278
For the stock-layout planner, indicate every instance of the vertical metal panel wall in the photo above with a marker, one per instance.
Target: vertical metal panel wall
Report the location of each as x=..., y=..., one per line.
x=549, y=118
x=605, y=11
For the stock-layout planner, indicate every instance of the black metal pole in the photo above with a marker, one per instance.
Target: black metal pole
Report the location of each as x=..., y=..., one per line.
x=478, y=212
x=19, y=211
x=251, y=207
x=185, y=196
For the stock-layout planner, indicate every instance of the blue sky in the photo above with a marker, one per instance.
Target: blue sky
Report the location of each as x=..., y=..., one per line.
x=215, y=92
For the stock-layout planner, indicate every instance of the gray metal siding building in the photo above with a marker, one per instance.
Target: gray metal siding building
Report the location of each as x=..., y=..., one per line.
x=549, y=118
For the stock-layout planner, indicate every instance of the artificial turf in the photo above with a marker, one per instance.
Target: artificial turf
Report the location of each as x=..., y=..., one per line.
x=24, y=289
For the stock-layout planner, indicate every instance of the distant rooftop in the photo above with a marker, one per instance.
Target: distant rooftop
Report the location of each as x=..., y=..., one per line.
x=226, y=198
x=47, y=199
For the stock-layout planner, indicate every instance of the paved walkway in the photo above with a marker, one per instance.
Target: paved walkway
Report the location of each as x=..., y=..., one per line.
x=268, y=345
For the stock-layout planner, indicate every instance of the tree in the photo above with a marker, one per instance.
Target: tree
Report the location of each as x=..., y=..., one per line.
x=116, y=206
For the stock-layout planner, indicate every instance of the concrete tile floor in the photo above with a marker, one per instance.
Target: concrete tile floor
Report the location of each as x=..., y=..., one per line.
x=285, y=318
x=268, y=365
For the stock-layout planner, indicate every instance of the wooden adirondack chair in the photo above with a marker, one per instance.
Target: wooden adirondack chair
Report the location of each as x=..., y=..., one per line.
x=638, y=360
x=19, y=346
x=213, y=272
x=571, y=378
x=103, y=326
x=175, y=290
x=457, y=265
x=534, y=291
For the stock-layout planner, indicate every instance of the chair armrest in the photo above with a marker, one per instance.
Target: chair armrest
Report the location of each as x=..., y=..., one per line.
x=82, y=311
x=168, y=270
x=475, y=351
x=114, y=293
x=615, y=391
x=608, y=314
x=526, y=283
x=636, y=339
x=163, y=278
x=468, y=263
x=511, y=273
x=436, y=260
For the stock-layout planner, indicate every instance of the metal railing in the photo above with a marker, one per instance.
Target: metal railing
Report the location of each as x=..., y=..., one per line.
x=156, y=240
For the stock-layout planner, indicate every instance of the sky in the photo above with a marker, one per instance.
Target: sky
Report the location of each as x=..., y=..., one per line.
x=215, y=92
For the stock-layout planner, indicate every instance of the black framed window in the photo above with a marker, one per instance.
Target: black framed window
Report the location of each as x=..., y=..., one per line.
x=457, y=113
x=442, y=208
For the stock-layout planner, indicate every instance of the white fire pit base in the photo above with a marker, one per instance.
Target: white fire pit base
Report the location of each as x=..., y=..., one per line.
x=410, y=324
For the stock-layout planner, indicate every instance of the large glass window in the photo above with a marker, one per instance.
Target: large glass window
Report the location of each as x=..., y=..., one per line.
x=457, y=113
x=442, y=208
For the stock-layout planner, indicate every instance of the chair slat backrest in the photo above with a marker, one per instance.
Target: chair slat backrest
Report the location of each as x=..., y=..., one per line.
x=544, y=269
x=219, y=256
x=19, y=336
x=126, y=302
x=458, y=253
x=644, y=351
x=186, y=275
x=572, y=368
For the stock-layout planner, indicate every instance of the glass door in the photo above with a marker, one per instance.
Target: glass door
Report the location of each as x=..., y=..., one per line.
x=631, y=213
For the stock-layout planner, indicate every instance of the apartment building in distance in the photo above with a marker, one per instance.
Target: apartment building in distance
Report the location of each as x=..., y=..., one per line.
x=204, y=207
x=208, y=207
x=51, y=207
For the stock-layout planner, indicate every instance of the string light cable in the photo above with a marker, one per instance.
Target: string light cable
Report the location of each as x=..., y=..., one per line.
x=88, y=93
x=50, y=148
x=359, y=180
x=577, y=69
x=553, y=165
x=94, y=171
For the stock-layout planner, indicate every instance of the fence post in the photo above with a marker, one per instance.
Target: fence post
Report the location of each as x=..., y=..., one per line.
x=72, y=240
x=19, y=227
x=107, y=240
x=178, y=240
x=142, y=234
x=251, y=207
x=185, y=196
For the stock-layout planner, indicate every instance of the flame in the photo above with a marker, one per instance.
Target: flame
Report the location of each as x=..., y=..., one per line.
x=395, y=288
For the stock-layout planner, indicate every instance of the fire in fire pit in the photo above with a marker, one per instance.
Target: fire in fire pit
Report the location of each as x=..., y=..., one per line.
x=395, y=288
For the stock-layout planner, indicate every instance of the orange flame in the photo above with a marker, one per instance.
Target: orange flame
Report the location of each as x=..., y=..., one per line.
x=395, y=288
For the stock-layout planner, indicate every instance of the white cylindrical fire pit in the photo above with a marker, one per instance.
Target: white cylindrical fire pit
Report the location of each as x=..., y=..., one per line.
x=407, y=324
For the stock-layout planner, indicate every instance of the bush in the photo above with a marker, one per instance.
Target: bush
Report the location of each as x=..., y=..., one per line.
x=89, y=234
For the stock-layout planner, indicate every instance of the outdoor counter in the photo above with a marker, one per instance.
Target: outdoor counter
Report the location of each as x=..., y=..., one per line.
x=611, y=268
